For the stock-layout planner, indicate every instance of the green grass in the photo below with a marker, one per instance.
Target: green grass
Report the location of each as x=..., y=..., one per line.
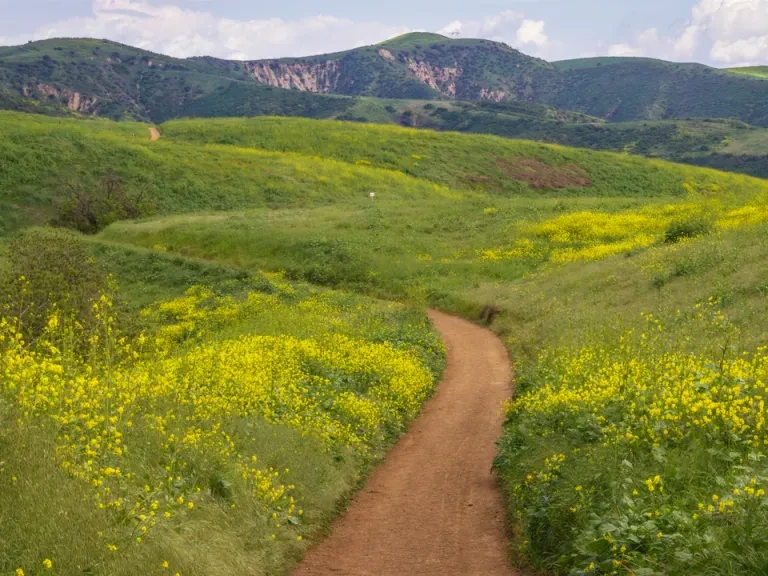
x=410, y=41
x=456, y=224
x=756, y=71
x=48, y=514
x=460, y=161
x=429, y=251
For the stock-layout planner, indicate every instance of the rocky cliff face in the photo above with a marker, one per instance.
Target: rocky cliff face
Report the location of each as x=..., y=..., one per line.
x=326, y=77
x=441, y=79
x=319, y=78
x=74, y=100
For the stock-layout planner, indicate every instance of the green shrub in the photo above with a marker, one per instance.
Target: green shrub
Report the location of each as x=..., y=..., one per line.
x=50, y=270
x=89, y=209
x=686, y=229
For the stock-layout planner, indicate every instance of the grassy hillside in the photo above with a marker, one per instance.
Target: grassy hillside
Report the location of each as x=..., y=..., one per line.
x=231, y=164
x=636, y=441
x=727, y=145
x=629, y=291
x=156, y=471
x=618, y=89
x=756, y=71
x=626, y=89
x=477, y=162
x=564, y=103
x=46, y=162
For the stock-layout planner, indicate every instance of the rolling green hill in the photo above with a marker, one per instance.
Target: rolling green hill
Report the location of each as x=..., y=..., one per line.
x=428, y=80
x=622, y=89
x=632, y=306
x=630, y=292
x=617, y=89
x=414, y=66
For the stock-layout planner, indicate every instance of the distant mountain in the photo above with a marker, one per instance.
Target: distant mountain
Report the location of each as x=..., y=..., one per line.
x=98, y=77
x=103, y=78
x=414, y=66
x=624, y=89
x=422, y=66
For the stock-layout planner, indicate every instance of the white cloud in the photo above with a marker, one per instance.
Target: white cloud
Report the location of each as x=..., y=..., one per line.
x=623, y=50
x=181, y=32
x=736, y=29
x=685, y=45
x=532, y=32
x=508, y=26
x=650, y=43
x=725, y=31
x=182, y=29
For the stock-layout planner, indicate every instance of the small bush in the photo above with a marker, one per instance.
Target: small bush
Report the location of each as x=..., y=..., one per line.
x=51, y=270
x=685, y=229
x=89, y=209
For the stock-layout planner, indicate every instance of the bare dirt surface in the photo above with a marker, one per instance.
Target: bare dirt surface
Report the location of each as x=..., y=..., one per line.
x=541, y=175
x=154, y=134
x=433, y=507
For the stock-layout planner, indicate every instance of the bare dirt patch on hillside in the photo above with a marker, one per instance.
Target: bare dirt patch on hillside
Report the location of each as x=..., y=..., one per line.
x=540, y=175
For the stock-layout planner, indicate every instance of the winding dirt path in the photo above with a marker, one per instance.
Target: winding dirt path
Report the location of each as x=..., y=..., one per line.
x=154, y=134
x=433, y=508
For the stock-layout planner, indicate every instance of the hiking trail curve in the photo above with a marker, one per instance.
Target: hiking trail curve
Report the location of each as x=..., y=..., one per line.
x=433, y=508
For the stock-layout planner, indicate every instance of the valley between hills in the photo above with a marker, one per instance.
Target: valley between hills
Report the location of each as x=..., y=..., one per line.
x=426, y=307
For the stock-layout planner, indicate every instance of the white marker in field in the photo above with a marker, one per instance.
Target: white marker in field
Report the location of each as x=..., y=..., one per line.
x=372, y=195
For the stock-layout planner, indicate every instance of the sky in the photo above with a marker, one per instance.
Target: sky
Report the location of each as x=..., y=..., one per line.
x=716, y=32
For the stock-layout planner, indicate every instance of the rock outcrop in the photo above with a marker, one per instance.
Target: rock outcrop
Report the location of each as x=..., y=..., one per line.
x=441, y=79
x=319, y=78
x=326, y=76
x=75, y=101
x=493, y=95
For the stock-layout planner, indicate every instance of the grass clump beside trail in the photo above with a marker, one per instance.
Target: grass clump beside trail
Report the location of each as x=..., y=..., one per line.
x=224, y=428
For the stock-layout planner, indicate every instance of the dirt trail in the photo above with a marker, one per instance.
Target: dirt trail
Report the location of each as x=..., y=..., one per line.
x=154, y=134
x=433, y=507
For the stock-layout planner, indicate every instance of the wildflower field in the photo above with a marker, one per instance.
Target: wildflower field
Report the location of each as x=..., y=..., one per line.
x=213, y=441
x=211, y=415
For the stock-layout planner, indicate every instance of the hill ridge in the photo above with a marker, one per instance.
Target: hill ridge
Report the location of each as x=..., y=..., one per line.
x=104, y=78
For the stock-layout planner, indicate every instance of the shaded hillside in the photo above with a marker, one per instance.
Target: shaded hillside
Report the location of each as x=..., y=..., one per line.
x=102, y=78
x=622, y=89
x=723, y=144
x=418, y=66
x=98, y=77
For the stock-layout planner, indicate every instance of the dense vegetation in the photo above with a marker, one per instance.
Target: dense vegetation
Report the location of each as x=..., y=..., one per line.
x=98, y=77
x=231, y=164
x=118, y=455
x=618, y=280
x=630, y=292
x=117, y=81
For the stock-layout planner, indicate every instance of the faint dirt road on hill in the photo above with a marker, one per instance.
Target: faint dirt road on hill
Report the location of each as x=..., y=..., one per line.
x=154, y=134
x=433, y=508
